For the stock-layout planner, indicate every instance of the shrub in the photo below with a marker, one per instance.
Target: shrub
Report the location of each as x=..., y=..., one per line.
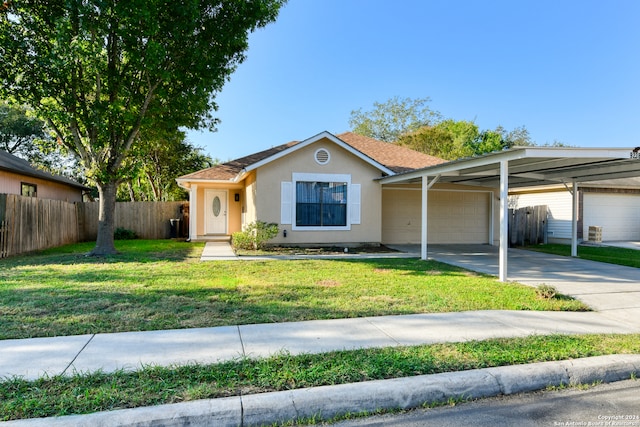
x=546, y=291
x=124, y=234
x=254, y=236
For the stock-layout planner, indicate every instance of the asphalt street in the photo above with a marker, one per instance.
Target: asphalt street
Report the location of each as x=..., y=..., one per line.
x=613, y=404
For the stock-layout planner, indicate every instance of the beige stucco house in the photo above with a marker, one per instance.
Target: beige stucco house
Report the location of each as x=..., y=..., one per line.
x=326, y=190
x=17, y=176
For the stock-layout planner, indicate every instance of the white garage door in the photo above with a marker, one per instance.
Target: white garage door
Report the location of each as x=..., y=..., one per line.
x=454, y=216
x=617, y=214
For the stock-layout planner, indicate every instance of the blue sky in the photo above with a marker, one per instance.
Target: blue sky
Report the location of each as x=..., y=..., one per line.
x=568, y=71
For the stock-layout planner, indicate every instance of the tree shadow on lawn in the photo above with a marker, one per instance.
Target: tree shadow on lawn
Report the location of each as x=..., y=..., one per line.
x=137, y=251
x=46, y=312
x=99, y=300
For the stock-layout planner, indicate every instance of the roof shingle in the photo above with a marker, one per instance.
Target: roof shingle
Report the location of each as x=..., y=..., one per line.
x=394, y=157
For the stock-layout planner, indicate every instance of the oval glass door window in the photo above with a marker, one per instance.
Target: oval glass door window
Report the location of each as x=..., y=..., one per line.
x=216, y=206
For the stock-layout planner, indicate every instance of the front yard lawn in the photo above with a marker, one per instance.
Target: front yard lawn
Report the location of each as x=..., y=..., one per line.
x=155, y=285
x=609, y=254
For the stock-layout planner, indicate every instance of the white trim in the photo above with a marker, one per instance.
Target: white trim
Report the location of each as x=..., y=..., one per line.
x=317, y=138
x=193, y=212
x=354, y=200
x=286, y=203
x=320, y=177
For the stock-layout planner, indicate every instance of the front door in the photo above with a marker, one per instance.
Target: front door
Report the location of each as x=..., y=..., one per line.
x=215, y=208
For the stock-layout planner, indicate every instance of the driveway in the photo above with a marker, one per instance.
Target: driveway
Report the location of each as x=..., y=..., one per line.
x=613, y=290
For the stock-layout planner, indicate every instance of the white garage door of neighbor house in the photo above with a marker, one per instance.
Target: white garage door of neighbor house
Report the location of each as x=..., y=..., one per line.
x=617, y=214
x=454, y=216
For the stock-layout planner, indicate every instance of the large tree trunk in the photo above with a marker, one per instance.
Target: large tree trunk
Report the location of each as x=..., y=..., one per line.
x=106, y=220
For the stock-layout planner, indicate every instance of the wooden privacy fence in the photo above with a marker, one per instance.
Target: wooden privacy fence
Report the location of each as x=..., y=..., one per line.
x=528, y=226
x=150, y=220
x=29, y=224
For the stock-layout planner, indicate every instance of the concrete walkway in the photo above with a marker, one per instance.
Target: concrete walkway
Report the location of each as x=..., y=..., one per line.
x=613, y=290
x=33, y=358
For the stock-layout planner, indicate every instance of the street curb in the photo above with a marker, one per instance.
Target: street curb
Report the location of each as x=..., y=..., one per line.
x=327, y=402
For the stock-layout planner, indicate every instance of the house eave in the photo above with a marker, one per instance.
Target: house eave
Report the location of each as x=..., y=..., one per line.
x=312, y=140
x=186, y=183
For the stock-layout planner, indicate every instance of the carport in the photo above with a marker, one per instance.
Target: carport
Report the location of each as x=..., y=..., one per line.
x=524, y=167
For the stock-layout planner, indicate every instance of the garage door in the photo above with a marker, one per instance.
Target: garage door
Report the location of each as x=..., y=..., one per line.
x=617, y=214
x=454, y=216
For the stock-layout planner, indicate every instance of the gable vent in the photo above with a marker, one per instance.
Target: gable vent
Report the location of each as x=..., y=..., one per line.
x=322, y=156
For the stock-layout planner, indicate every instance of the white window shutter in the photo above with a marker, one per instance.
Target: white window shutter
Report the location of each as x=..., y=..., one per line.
x=354, y=201
x=286, y=204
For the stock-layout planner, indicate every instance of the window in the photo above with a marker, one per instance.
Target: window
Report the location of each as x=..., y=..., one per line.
x=28, y=190
x=321, y=204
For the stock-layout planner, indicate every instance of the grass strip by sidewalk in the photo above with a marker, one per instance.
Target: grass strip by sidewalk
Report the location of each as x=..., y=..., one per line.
x=608, y=254
x=161, y=284
x=155, y=385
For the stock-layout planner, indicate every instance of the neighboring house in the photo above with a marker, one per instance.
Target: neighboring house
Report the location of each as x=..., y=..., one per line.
x=17, y=176
x=326, y=190
x=613, y=205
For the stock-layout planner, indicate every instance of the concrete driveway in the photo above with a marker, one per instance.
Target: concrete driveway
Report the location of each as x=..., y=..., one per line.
x=613, y=290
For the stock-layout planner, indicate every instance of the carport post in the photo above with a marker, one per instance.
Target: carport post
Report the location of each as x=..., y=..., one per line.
x=504, y=219
x=423, y=230
x=426, y=185
x=574, y=220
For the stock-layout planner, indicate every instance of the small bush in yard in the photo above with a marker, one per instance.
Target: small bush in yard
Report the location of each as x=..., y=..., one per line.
x=255, y=235
x=546, y=291
x=124, y=234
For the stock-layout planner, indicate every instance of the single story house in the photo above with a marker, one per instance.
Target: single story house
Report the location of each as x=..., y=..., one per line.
x=613, y=205
x=17, y=176
x=327, y=190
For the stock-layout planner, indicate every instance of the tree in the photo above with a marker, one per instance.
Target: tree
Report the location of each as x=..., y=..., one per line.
x=518, y=137
x=19, y=130
x=24, y=135
x=154, y=165
x=389, y=120
x=102, y=71
x=448, y=139
x=451, y=139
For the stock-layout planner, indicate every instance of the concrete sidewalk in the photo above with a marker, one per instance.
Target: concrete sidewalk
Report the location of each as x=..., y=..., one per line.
x=33, y=358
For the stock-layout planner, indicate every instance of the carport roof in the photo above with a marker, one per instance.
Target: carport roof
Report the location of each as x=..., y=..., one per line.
x=533, y=166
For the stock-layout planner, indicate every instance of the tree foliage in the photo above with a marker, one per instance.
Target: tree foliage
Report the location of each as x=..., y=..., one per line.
x=451, y=139
x=19, y=130
x=413, y=124
x=389, y=120
x=155, y=163
x=26, y=136
x=102, y=71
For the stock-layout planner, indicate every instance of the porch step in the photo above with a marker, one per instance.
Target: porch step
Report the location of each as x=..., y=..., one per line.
x=212, y=239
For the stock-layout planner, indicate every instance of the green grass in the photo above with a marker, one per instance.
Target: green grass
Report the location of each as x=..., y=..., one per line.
x=154, y=285
x=154, y=385
x=608, y=254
